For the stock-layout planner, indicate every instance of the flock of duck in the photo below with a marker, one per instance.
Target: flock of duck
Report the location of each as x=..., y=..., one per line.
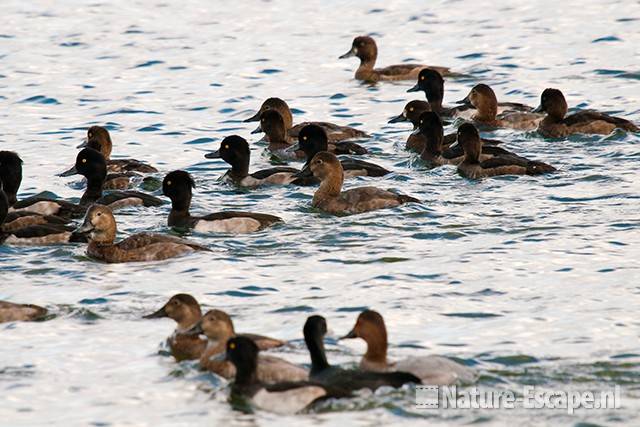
x=267, y=380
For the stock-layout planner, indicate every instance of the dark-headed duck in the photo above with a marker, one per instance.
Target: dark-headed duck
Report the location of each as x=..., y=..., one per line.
x=433, y=370
x=557, y=124
x=280, y=398
x=185, y=310
x=312, y=140
x=365, y=48
x=99, y=227
x=474, y=167
x=235, y=150
x=11, y=312
x=177, y=186
x=514, y=115
x=331, y=199
x=315, y=328
x=432, y=84
x=99, y=139
x=218, y=327
x=335, y=132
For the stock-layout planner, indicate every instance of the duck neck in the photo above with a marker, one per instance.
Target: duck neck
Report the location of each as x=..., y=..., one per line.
x=433, y=146
x=376, y=349
x=435, y=100
x=93, y=191
x=316, y=351
x=330, y=187
x=240, y=169
x=247, y=374
x=179, y=215
x=486, y=113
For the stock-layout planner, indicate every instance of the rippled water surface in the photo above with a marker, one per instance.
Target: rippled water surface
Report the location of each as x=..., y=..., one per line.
x=531, y=280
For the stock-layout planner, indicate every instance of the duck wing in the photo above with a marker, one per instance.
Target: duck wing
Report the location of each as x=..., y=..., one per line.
x=142, y=240
x=20, y=219
x=587, y=116
x=437, y=370
x=266, y=173
x=305, y=177
x=347, y=148
x=368, y=169
x=11, y=312
x=273, y=369
x=130, y=165
x=513, y=106
x=119, y=198
x=263, y=219
x=47, y=206
x=514, y=164
x=355, y=379
x=263, y=343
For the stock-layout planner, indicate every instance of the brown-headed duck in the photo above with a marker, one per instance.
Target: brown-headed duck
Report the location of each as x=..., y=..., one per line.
x=432, y=370
x=312, y=140
x=218, y=328
x=178, y=185
x=185, y=310
x=11, y=312
x=335, y=132
x=474, y=167
x=514, y=115
x=365, y=48
x=331, y=199
x=432, y=84
x=280, y=398
x=99, y=227
x=235, y=150
x=557, y=124
x=99, y=139
x=315, y=328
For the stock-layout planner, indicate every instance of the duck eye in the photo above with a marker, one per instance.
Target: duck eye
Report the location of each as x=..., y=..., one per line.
x=226, y=147
x=232, y=346
x=304, y=138
x=99, y=214
x=84, y=160
x=411, y=109
x=168, y=182
x=421, y=77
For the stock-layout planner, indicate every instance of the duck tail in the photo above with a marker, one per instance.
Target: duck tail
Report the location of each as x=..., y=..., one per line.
x=407, y=199
x=539, y=168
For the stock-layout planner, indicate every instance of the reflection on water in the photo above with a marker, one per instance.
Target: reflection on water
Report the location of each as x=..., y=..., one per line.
x=530, y=280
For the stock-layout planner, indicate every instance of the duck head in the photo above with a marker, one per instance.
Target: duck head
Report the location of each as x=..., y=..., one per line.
x=235, y=151
x=273, y=125
x=99, y=139
x=278, y=105
x=430, y=125
x=469, y=139
x=483, y=99
x=412, y=112
x=327, y=168
x=243, y=353
x=177, y=186
x=432, y=84
x=99, y=225
x=216, y=325
x=183, y=308
x=10, y=175
x=312, y=139
x=370, y=327
x=364, y=47
x=553, y=103
x=91, y=164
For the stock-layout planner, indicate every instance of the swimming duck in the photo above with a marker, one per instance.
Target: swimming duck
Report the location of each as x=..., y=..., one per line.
x=235, y=150
x=364, y=47
x=329, y=197
x=432, y=84
x=185, y=310
x=25, y=230
x=312, y=140
x=99, y=227
x=315, y=328
x=435, y=153
x=218, y=327
x=433, y=370
x=474, y=167
x=515, y=116
x=90, y=164
x=557, y=124
x=99, y=139
x=177, y=186
x=11, y=312
x=282, y=398
x=335, y=132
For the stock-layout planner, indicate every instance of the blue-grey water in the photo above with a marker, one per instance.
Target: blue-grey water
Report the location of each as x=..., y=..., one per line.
x=531, y=280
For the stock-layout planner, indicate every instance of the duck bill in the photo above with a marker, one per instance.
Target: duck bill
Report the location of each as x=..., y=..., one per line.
x=253, y=118
x=415, y=131
x=158, y=314
x=398, y=119
x=455, y=144
x=350, y=335
x=539, y=109
x=70, y=172
x=416, y=88
x=349, y=54
x=84, y=144
x=85, y=229
x=257, y=130
x=213, y=155
x=465, y=101
x=195, y=329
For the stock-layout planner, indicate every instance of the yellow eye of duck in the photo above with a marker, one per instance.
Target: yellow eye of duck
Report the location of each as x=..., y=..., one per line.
x=304, y=138
x=232, y=345
x=84, y=160
x=226, y=147
x=411, y=109
x=421, y=77
x=168, y=182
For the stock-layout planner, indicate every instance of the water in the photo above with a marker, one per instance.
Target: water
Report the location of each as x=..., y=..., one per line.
x=530, y=280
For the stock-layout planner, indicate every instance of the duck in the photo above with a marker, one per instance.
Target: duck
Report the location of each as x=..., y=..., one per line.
x=272, y=124
x=365, y=48
x=12, y=312
x=218, y=328
x=331, y=199
x=315, y=328
x=484, y=100
x=474, y=167
x=432, y=370
x=185, y=310
x=312, y=140
x=280, y=398
x=556, y=123
x=178, y=185
x=235, y=150
x=432, y=84
x=435, y=153
x=26, y=231
x=92, y=165
x=99, y=139
x=335, y=132
x=99, y=227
